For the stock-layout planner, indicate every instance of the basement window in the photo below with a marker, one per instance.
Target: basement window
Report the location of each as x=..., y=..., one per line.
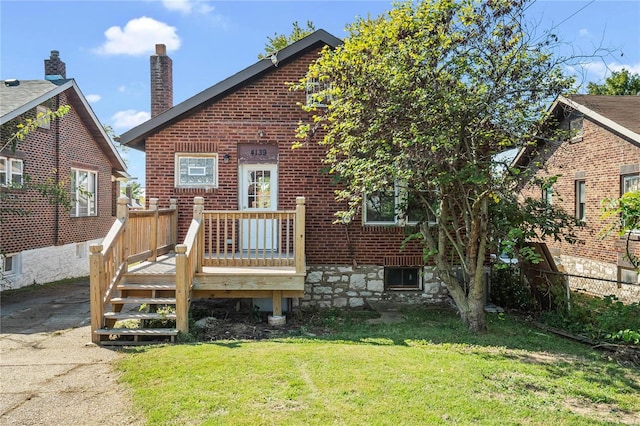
x=9, y=265
x=402, y=278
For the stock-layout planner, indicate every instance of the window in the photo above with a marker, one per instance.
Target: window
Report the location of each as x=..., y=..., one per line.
x=196, y=170
x=11, y=171
x=403, y=278
x=10, y=264
x=84, y=186
x=547, y=195
x=627, y=275
x=630, y=183
x=315, y=95
x=392, y=207
x=581, y=199
x=577, y=131
x=42, y=112
x=380, y=208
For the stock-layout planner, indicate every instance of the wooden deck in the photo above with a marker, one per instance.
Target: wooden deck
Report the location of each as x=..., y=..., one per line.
x=140, y=265
x=224, y=281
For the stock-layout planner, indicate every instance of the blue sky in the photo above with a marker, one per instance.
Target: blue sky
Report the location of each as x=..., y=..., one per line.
x=106, y=44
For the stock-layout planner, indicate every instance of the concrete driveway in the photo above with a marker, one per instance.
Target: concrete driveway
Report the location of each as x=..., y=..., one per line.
x=50, y=373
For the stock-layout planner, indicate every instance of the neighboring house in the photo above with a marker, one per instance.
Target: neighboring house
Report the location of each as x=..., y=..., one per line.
x=231, y=144
x=49, y=242
x=601, y=160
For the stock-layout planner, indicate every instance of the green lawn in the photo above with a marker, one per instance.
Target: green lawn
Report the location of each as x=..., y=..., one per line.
x=427, y=370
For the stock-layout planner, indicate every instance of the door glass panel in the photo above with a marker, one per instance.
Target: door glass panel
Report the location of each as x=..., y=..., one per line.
x=259, y=189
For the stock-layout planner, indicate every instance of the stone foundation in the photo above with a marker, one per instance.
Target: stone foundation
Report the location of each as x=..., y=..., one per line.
x=586, y=267
x=48, y=264
x=347, y=287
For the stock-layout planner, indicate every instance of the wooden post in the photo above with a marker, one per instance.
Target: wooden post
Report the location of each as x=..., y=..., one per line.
x=122, y=213
x=96, y=289
x=198, y=209
x=299, y=253
x=277, y=303
x=182, y=290
x=153, y=230
x=173, y=231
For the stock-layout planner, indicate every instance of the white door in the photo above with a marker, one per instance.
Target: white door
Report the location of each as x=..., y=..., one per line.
x=259, y=193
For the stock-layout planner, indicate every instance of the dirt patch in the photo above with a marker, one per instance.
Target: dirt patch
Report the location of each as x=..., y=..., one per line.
x=242, y=326
x=601, y=411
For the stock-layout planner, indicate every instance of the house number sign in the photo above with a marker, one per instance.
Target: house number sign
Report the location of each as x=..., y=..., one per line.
x=248, y=153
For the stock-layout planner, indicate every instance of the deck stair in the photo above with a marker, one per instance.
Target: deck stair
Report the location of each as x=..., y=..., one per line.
x=140, y=305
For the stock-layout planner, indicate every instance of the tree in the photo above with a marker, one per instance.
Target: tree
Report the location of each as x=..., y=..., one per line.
x=52, y=190
x=623, y=216
x=618, y=83
x=422, y=99
x=280, y=41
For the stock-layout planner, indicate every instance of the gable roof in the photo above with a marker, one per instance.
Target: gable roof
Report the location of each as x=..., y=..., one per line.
x=136, y=137
x=619, y=114
x=17, y=99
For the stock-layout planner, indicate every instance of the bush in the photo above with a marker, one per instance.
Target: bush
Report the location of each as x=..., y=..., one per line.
x=598, y=318
x=509, y=290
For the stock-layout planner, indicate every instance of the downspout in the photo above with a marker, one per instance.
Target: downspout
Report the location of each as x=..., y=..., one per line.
x=56, y=225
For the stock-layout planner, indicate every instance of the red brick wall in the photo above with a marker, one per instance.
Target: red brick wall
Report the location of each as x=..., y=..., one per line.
x=77, y=149
x=597, y=159
x=266, y=104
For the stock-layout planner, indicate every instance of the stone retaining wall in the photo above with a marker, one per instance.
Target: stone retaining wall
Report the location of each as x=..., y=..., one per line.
x=587, y=267
x=331, y=286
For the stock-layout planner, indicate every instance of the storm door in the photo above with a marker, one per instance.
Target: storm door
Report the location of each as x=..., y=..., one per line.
x=259, y=194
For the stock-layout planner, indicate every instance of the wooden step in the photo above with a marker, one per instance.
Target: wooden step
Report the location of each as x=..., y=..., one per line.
x=144, y=300
x=137, y=331
x=138, y=315
x=146, y=286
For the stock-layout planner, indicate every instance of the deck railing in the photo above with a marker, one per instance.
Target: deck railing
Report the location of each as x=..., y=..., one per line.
x=249, y=238
x=134, y=236
x=152, y=232
x=188, y=262
x=214, y=238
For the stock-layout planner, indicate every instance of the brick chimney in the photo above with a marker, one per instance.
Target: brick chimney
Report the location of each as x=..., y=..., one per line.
x=161, y=81
x=54, y=68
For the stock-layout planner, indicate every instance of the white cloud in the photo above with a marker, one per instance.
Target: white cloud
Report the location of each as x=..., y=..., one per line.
x=93, y=98
x=122, y=88
x=186, y=7
x=128, y=119
x=583, y=32
x=139, y=37
x=598, y=71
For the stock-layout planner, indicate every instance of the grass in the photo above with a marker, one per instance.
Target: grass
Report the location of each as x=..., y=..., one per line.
x=426, y=370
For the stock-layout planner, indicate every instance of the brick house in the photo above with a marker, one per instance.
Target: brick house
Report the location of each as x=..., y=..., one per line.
x=601, y=160
x=231, y=144
x=50, y=242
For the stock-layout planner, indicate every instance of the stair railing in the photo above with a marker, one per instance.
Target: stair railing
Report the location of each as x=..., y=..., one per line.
x=135, y=235
x=188, y=261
